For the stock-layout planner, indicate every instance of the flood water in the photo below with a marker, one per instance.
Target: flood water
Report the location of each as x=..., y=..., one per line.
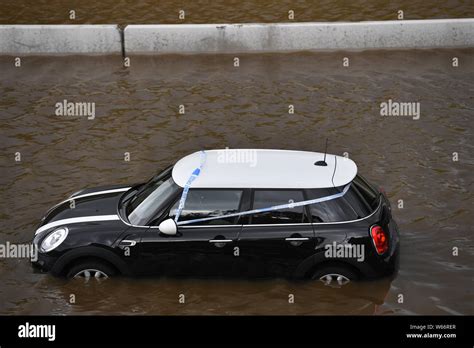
x=224, y=11
x=137, y=111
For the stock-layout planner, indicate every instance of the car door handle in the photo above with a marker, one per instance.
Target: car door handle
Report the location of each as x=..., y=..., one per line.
x=296, y=239
x=126, y=243
x=220, y=241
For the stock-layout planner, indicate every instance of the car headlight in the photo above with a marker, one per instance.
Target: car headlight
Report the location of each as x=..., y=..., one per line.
x=54, y=239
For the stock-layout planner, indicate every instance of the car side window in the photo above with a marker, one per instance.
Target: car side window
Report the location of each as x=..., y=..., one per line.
x=369, y=194
x=268, y=198
x=202, y=203
x=357, y=202
x=344, y=208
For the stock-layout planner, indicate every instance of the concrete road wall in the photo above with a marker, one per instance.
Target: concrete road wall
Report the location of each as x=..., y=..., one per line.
x=60, y=39
x=225, y=38
x=232, y=38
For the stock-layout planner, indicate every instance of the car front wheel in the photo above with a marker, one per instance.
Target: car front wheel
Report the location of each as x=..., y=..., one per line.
x=90, y=270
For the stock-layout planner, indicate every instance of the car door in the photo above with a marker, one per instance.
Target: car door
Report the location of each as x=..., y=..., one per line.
x=274, y=243
x=128, y=247
x=198, y=249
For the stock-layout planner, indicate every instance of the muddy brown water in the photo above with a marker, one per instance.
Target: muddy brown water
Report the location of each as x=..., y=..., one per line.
x=245, y=107
x=224, y=11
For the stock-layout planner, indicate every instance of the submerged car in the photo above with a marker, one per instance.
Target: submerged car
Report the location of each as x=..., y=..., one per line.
x=283, y=213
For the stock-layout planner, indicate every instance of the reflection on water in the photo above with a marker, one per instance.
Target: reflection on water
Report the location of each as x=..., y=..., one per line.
x=148, y=296
x=137, y=111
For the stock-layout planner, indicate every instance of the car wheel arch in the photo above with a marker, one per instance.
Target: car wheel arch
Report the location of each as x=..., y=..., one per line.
x=66, y=261
x=332, y=263
x=312, y=263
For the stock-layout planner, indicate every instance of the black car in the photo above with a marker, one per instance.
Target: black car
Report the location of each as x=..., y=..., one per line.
x=228, y=213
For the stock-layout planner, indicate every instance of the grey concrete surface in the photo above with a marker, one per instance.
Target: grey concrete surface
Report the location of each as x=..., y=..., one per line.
x=228, y=38
x=60, y=39
x=234, y=38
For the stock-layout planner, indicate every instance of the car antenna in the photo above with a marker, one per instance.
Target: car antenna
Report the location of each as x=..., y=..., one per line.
x=323, y=162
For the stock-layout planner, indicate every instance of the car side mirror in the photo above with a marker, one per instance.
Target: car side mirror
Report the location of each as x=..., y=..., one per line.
x=168, y=227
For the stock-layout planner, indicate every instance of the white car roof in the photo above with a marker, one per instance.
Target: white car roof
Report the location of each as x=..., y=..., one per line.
x=257, y=168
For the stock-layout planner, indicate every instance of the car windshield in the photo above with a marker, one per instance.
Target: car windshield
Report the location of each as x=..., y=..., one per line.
x=151, y=199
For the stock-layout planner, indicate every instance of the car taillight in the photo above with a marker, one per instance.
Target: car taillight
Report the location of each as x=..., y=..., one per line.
x=380, y=239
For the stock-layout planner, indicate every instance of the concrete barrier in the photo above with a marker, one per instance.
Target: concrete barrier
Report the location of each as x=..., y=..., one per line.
x=229, y=38
x=60, y=39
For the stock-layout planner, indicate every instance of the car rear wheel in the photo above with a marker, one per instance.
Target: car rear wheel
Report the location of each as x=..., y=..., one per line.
x=90, y=270
x=334, y=276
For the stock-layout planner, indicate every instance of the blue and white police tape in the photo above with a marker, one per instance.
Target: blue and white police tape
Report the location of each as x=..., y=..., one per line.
x=264, y=210
x=193, y=177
